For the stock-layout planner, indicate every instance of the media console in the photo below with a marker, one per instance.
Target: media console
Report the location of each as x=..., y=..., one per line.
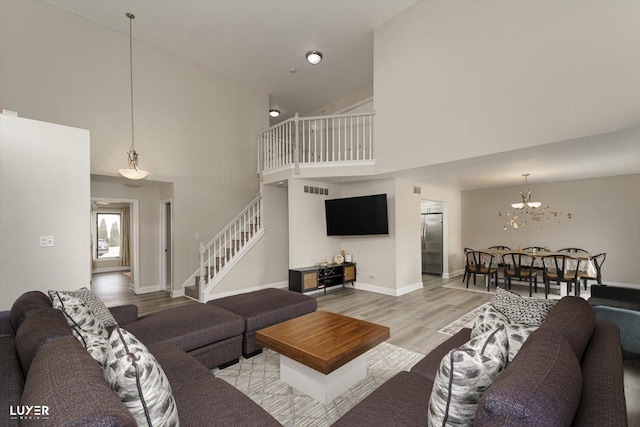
x=307, y=279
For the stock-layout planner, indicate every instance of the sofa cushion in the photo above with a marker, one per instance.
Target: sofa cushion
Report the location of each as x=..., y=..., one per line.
x=124, y=313
x=11, y=379
x=65, y=378
x=85, y=325
x=27, y=304
x=188, y=327
x=267, y=307
x=41, y=327
x=541, y=386
x=401, y=401
x=428, y=366
x=181, y=369
x=6, y=330
x=138, y=379
x=528, y=311
x=464, y=374
x=490, y=318
x=575, y=320
x=213, y=402
x=93, y=302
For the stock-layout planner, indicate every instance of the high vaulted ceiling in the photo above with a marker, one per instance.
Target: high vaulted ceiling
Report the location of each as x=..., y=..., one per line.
x=257, y=42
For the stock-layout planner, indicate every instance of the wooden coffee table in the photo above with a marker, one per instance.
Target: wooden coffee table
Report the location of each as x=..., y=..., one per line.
x=322, y=353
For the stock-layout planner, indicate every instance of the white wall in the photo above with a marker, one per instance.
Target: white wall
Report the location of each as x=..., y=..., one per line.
x=459, y=79
x=604, y=219
x=194, y=127
x=39, y=164
x=408, y=249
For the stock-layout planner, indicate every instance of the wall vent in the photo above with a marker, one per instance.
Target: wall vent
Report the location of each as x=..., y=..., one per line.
x=316, y=190
x=417, y=190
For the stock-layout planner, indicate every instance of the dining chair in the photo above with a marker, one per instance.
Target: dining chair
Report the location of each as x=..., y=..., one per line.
x=483, y=263
x=536, y=249
x=573, y=250
x=597, y=260
x=466, y=264
x=561, y=268
x=500, y=248
x=520, y=266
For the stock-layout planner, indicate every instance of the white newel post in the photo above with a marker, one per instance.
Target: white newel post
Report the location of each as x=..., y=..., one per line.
x=202, y=251
x=296, y=148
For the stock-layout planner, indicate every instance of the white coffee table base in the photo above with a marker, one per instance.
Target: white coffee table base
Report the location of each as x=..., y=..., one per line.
x=323, y=388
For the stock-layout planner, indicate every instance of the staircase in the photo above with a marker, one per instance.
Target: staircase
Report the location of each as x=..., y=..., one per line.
x=219, y=256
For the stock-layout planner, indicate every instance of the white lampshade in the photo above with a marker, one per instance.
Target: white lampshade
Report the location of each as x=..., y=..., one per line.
x=131, y=173
x=517, y=205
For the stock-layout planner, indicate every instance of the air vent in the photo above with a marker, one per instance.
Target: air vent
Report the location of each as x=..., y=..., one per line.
x=316, y=190
x=417, y=190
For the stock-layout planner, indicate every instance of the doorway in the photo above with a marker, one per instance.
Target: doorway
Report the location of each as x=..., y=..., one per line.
x=432, y=237
x=166, y=245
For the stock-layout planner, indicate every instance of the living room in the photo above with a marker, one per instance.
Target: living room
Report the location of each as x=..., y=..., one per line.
x=492, y=94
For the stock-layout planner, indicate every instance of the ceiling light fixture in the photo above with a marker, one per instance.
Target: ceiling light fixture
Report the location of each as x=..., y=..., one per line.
x=314, y=57
x=132, y=170
x=526, y=197
x=274, y=113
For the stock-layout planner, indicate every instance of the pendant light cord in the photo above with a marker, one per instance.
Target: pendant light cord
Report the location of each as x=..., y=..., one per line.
x=131, y=18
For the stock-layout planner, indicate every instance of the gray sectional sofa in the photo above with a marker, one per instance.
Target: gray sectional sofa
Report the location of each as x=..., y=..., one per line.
x=622, y=307
x=42, y=363
x=568, y=372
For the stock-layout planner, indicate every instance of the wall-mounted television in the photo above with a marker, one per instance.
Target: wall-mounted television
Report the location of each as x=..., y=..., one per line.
x=357, y=216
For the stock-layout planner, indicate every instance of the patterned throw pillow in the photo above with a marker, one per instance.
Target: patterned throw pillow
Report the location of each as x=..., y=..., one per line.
x=138, y=379
x=528, y=311
x=84, y=324
x=464, y=374
x=93, y=302
x=490, y=318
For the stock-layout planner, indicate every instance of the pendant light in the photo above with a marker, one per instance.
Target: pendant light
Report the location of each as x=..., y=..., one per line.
x=526, y=197
x=132, y=170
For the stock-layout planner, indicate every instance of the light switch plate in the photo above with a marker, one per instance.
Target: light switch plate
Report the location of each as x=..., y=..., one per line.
x=47, y=241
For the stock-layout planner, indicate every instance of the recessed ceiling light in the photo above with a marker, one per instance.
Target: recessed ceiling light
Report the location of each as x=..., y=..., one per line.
x=274, y=113
x=314, y=57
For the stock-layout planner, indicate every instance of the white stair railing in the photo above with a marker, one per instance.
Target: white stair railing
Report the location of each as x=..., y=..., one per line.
x=319, y=139
x=219, y=255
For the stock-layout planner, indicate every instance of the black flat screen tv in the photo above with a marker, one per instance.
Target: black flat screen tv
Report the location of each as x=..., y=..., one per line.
x=357, y=216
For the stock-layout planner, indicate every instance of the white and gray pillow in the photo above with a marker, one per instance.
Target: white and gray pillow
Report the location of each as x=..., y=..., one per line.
x=137, y=378
x=490, y=318
x=464, y=374
x=93, y=302
x=85, y=325
x=528, y=311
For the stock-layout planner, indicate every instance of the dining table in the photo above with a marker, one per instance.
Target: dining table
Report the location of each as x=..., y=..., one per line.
x=584, y=263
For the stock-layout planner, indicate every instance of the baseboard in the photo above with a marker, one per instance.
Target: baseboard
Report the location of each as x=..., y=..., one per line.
x=110, y=269
x=284, y=284
x=453, y=274
x=147, y=289
x=622, y=285
x=175, y=293
x=374, y=288
x=409, y=288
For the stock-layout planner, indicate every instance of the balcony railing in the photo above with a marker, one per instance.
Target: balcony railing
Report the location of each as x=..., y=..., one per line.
x=317, y=140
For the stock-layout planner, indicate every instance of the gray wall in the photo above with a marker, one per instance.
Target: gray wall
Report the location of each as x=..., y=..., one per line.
x=604, y=219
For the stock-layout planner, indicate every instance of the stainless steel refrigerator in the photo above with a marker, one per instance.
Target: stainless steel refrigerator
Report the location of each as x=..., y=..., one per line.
x=431, y=243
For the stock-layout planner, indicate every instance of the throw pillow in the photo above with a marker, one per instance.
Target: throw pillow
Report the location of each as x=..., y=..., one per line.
x=138, y=379
x=464, y=374
x=490, y=318
x=528, y=311
x=84, y=324
x=93, y=302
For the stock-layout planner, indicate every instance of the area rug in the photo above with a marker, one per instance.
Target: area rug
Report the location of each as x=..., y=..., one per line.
x=464, y=321
x=259, y=378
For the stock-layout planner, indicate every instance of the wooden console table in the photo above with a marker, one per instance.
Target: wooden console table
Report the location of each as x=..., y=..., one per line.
x=308, y=279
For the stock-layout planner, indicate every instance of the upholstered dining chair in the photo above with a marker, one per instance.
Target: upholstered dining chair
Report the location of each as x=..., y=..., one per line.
x=597, y=260
x=483, y=263
x=561, y=268
x=573, y=250
x=520, y=266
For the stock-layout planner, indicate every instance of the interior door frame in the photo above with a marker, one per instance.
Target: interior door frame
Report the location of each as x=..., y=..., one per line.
x=135, y=237
x=166, y=283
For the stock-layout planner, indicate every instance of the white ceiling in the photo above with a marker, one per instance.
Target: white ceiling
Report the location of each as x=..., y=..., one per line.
x=258, y=41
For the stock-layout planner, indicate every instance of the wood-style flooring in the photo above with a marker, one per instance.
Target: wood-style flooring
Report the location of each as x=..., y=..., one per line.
x=414, y=318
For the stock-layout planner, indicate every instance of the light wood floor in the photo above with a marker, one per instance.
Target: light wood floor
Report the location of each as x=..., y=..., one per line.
x=414, y=318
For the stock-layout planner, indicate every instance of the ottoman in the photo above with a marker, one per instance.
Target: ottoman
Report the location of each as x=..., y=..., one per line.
x=264, y=308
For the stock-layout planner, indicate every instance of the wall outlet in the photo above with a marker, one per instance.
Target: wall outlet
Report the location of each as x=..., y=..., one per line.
x=47, y=241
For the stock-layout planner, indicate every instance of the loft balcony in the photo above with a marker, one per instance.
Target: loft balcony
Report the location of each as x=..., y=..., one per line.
x=317, y=147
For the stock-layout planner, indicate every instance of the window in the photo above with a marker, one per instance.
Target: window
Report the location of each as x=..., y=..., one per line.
x=109, y=235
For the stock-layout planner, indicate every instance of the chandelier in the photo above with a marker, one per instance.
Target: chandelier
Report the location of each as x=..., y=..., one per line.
x=132, y=171
x=526, y=197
